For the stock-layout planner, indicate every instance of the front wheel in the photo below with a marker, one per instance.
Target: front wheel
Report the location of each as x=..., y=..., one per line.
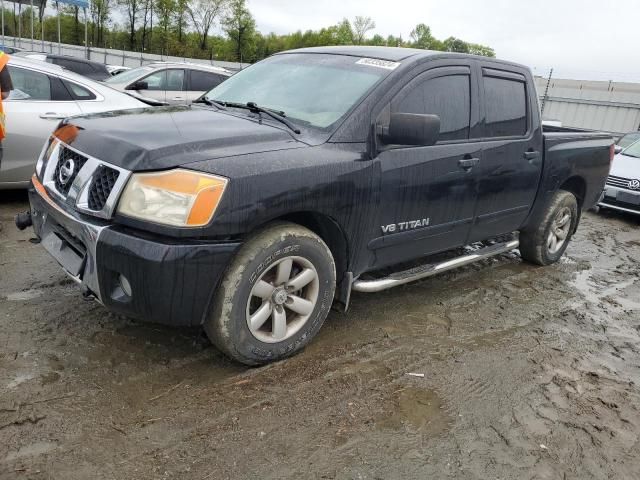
x=274, y=297
x=548, y=242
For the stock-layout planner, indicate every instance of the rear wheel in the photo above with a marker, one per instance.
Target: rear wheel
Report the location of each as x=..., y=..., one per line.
x=274, y=297
x=548, y=242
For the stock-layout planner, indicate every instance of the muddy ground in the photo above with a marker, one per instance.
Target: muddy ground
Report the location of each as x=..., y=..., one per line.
x=528, y=373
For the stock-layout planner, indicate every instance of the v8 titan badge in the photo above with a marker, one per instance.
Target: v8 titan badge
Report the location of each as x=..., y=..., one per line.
x=404, y=226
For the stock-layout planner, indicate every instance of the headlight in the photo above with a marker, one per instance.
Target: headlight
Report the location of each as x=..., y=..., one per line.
x=177, y=197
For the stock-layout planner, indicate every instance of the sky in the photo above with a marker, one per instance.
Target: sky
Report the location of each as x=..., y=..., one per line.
x=582, y=39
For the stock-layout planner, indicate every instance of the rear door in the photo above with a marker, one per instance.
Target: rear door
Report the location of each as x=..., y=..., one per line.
x=511, y=152
x=428, y=194
x=175, y=87
x=36, y=105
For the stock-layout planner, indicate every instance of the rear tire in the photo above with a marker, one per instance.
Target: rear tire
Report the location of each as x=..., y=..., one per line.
x=546, y=244
x=274, y=297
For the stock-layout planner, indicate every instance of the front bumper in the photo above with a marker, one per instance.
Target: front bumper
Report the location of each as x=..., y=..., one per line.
x=168, y=282
x=621, y=199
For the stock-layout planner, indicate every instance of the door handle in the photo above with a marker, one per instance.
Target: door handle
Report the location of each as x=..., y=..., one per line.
x=531, y=155
x=52, y=116
x=178, y=98
x=468, y=163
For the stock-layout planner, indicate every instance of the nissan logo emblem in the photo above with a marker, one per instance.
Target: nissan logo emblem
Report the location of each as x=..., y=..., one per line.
x=634, y=184
x=66, y=171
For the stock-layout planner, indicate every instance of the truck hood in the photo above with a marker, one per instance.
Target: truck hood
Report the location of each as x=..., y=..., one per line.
x=626, y=167
x=165, y=137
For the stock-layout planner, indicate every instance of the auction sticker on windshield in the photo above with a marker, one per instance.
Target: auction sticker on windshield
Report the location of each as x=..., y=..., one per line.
x=374, y=62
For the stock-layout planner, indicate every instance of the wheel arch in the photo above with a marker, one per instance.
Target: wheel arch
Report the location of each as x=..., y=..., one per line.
x=578, y=187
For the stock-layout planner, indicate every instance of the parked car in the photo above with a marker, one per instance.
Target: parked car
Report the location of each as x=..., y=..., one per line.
x=626, y=140
x=116, y=69
x=171, y=83
x=10, y=50
x=623, y=185
x=86, y=68
x=305, y=177
x=44, y=94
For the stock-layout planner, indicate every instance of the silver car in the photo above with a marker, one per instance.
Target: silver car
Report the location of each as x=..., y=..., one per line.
x=42, y=95
x=169, y=83
x=623, y=185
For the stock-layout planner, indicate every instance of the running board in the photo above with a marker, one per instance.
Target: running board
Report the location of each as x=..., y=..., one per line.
x=424, y=271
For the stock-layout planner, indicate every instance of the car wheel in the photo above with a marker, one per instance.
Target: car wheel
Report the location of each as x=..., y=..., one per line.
x=548, y=242
x=274, y=297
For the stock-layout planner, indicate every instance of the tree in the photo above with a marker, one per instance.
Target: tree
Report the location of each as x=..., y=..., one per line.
x=361, y=26
x=131, y=10
x=453, y=44
x=165, y=10
x=240, y=26
x=344, y=33
x=477, y=49
x=421, y=37
x=99, y=11
x=203, y=13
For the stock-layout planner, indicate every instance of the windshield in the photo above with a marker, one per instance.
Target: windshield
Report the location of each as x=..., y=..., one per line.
x=313, y=89
x=129, y=75
x=628, y=139
x=633, y=150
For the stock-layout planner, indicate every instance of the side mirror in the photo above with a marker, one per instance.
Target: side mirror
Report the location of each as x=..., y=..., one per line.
x=411, y=129
x=139, y=85
x=617, y=149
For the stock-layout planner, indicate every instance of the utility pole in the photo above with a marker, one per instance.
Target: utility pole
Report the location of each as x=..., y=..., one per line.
x=546, y=92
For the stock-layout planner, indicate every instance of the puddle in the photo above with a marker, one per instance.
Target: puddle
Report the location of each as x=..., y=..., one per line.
x=37, y=448
x=24, y=377
x=26, y=295
x=416, y=410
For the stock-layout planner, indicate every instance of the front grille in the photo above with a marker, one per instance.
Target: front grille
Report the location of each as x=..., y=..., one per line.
x=619, y=182
x=103, y=181
x=73, y=162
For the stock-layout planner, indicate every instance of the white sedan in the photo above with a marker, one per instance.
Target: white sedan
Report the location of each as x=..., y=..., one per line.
x=42, y=95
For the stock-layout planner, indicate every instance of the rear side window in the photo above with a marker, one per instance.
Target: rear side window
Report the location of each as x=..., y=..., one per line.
x=29, y=85
x=204, y=81
x=448, y=96
x=506, y=107
x=78, y=92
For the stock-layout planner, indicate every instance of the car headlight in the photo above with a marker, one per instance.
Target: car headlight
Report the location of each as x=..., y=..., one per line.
x=176, y=197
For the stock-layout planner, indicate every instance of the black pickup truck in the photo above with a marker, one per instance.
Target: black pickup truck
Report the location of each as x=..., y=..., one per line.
x=303, y=177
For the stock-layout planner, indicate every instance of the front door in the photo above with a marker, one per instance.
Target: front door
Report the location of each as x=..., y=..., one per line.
x=428, y=194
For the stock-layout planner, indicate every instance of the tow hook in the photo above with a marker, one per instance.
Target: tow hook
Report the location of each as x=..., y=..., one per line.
x=23, y=220
x=87, y=294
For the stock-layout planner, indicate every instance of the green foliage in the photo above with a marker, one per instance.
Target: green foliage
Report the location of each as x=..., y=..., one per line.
x=183, y=28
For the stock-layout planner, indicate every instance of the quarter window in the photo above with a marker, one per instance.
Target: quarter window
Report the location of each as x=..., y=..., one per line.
x=78, y=92
x=448, y=96
x=506, y=107
x=204, y=81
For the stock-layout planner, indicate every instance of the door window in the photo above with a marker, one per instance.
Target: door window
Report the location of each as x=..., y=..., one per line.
x=448, y=96
x=506, y=107
x=29, y=85
x=175, y=80
x=156, y=81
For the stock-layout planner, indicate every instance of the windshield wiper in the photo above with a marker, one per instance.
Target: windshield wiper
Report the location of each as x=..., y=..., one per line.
x=254, y=108
x=211, y=103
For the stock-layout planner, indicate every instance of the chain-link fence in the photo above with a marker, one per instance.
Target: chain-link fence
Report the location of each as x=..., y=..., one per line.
x=107, y=55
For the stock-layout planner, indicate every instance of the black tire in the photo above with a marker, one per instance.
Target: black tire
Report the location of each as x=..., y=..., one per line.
x=227, y=324
x=535, y=244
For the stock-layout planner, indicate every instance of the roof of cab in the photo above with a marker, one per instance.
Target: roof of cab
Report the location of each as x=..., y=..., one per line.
x=393, y=54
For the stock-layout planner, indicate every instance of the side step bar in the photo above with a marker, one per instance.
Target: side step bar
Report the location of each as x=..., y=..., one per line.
x=424, y=271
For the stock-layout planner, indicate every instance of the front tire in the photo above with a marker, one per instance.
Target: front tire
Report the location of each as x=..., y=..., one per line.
x=546, y=244
x=274, y=297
